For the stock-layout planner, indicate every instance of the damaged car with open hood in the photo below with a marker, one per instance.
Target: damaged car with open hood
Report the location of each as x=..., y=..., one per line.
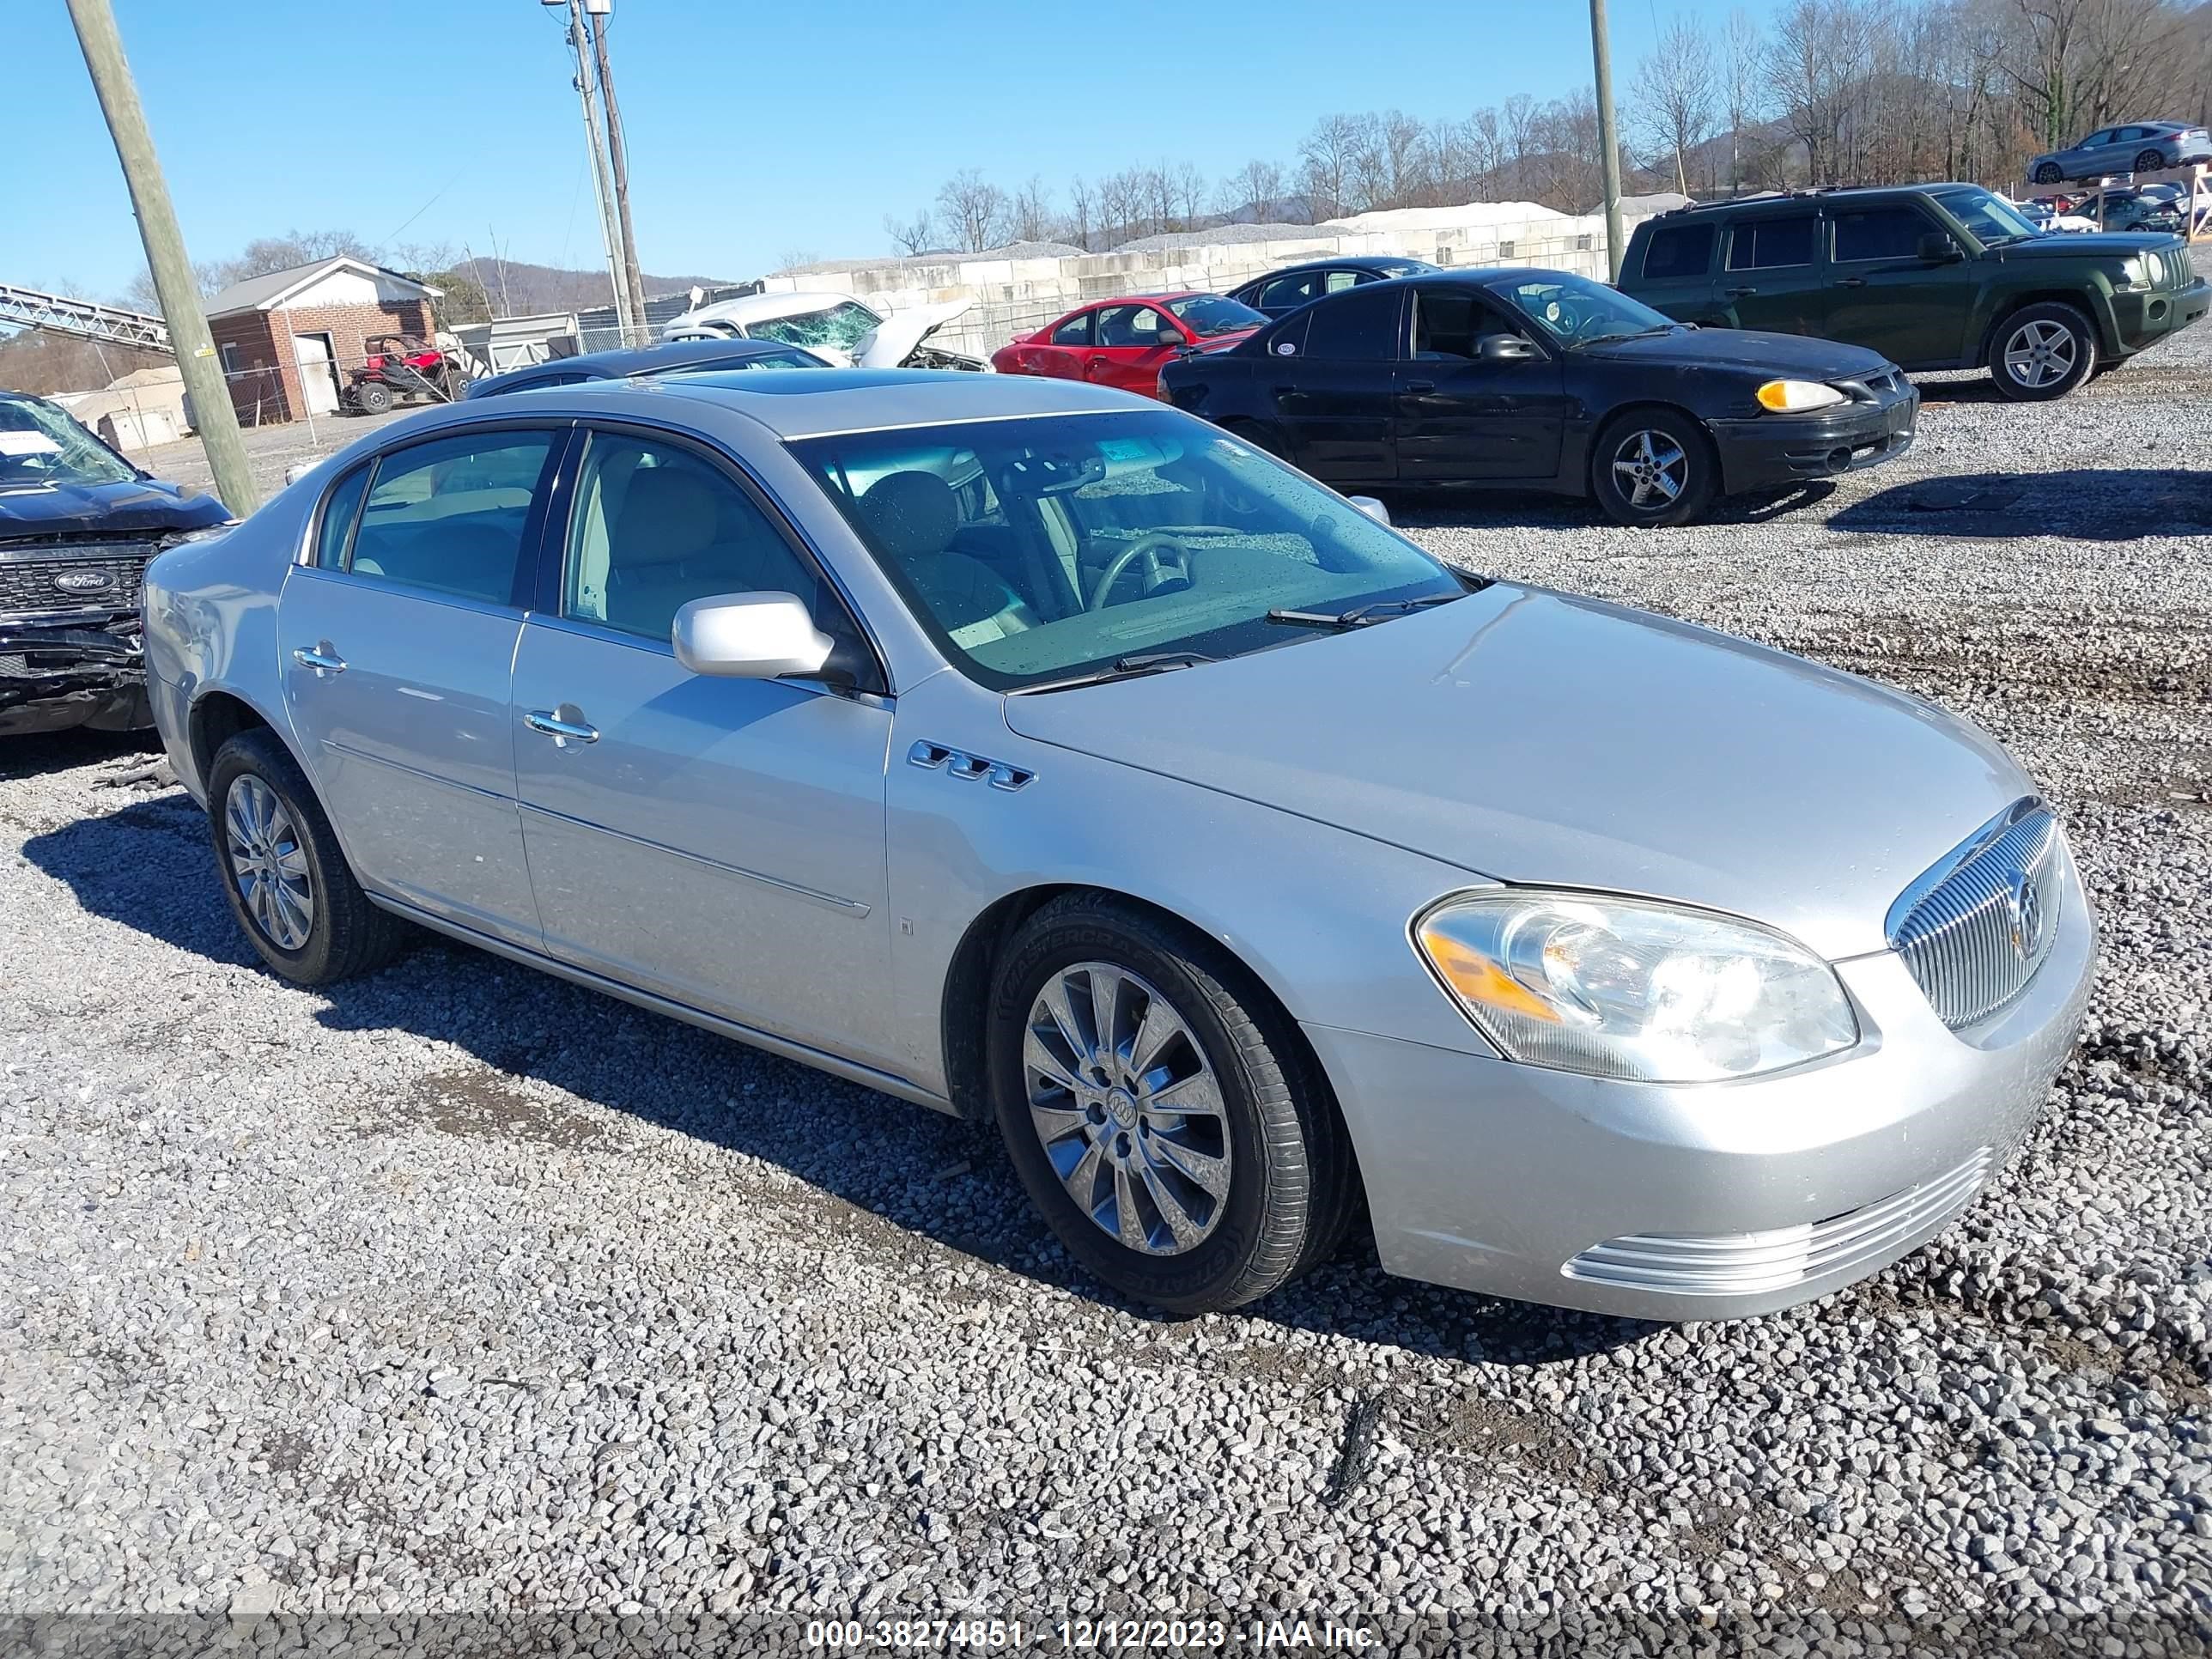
x=78, y=525
x=844, y=331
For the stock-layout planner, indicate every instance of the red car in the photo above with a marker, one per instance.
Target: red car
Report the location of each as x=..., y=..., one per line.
x=1122, y=342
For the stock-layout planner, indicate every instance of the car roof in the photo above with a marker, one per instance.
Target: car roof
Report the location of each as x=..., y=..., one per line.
x=828, y=400
x=1343, y=262
x=664, y=358
x=767, y=307
x=1811, y=197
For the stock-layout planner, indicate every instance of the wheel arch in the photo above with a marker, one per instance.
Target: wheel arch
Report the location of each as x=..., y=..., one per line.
x=218, y=714
x=2106, y=339
x=1612, y=417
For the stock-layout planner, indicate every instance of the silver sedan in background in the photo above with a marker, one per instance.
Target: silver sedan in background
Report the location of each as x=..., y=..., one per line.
x=1040, y=754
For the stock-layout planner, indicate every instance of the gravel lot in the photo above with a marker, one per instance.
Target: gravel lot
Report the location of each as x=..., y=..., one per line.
x=462, y=1291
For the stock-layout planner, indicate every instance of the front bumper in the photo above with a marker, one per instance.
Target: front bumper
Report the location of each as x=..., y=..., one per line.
x=56, y=675
x=1771, y=451
x=2141, y=320
x=1712, y=1202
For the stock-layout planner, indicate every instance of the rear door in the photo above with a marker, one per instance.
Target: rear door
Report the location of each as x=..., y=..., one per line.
x=1060, y=354
x=1461, y=416
x=1770, y=276
x=716, y=842
x=1331, y=377
x=1884, y=296
x=1133, y=341
x=1675, y=273
x=398, y=644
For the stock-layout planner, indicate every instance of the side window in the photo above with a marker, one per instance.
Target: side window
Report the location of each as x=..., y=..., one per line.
x=1128, y=325
x=1447, y=323
x=449, y=515
x=655, y=526
x=1075, y=331
x=553, y=379
x=1361, y=325
x=1768, y=244
x=1678, y=250
x=1292, y=290
x=335, y=528
x=1337, y=281
x=1882, y=233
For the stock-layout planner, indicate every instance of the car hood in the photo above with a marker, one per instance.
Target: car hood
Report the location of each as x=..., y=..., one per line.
x=892, y=341
x=135, y=507
x=2119, y=244
x=1748, y=349
x=1538, y=738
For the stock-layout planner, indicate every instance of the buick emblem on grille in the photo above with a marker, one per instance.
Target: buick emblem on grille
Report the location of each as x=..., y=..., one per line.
x=84, y=581
x=2025, y=904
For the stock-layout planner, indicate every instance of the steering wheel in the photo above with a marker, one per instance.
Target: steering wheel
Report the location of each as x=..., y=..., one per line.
x=1157, y=570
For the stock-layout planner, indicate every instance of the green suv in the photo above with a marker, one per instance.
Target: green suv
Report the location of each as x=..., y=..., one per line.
x=1931, y=275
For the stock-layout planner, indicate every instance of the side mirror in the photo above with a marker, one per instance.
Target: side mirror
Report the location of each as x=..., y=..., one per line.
x=1505, y=349
x=1171, y=340
x=749, y=636
x=1937, y=249
x=1373, y=508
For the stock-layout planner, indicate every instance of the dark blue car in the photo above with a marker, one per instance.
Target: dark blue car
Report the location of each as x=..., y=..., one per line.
x=78, y=526
x=669, y=358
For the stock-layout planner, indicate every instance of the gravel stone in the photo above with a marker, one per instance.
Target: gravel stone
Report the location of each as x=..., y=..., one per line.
x=459, y=1290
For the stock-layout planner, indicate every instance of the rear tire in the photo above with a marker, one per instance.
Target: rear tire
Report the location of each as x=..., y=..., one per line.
x=1642, y=455
x=290, y=886
x=1185, y=1024
x=2050, y=173
x=372, y=397
x=2042, y=351
x=2150, y=162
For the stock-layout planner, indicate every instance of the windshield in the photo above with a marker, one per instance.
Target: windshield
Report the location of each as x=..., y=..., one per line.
x=1578, y=312
x=1039, y=550
x=844, y=327
x=39, y=446
x=1987, y=216
x=1208, y=314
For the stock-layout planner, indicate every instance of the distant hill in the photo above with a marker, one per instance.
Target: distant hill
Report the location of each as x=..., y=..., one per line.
x=515, y=287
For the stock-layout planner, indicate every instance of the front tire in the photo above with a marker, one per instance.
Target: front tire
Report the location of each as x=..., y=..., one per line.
x=1653, y=469
x=2041, y=352
x=290, y=886
x=372, y=397
x=1161, y=1110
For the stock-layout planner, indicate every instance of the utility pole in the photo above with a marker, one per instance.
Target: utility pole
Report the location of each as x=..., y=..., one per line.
x=610, y=230
x=1608, y=137
x=618, y=155
x=164, y=255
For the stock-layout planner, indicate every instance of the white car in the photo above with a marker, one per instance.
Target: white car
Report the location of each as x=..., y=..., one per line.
x=835, y=326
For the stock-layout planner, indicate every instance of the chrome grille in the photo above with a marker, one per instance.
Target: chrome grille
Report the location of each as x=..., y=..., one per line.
x=1780, y=1258
x=27, y=584
x=1974, y=928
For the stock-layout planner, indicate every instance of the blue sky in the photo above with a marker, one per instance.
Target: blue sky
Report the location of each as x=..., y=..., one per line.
x=754, y=129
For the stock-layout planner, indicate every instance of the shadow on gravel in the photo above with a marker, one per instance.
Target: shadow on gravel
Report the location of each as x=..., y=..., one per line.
x=63, y=751
x=1444, y=510
x=2102, y=504
x=885, y=1177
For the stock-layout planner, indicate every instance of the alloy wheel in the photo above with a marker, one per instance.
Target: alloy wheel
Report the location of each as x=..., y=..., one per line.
x=1127, y=1108
x=1651, y=469
x=269, y=863
x=2040, y=354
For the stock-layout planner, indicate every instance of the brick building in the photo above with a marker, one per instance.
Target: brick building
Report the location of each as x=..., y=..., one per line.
x=287, y=339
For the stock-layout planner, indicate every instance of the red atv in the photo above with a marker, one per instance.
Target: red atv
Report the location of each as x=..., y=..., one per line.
x=401, y=369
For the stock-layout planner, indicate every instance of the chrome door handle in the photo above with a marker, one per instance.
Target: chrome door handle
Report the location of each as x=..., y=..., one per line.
x=320, y=658
x=1741, y=293
x=1852, y=281
x=1420, y=386
x=561, y=731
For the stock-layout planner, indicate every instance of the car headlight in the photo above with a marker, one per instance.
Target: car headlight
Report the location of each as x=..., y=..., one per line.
x=1796, y=397
x=1629, y=988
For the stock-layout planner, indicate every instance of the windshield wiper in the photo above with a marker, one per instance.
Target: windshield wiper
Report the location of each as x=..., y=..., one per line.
x=1637, y=334
x=1121, y=668
x=1360, y=615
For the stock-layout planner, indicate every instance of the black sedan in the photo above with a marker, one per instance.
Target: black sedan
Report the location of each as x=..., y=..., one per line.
x=1537, y=379
x=1280, y=292
x=669, y=358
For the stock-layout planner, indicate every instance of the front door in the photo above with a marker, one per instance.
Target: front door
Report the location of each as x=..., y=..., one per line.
x=397, y=647
x=1333, y=383
x=718, y=843
x=1883, y=296
x=1771, y=275
x=1133, y=342
x=1462, y=416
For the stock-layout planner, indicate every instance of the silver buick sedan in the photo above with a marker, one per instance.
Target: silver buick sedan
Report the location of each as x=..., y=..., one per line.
x=1041, y=754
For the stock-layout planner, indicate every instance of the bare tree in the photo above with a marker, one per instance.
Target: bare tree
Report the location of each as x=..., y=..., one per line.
x=974, y=210
x=910, y=235
x=1327, y=159
x=1519, y=114
x=1819, y=60
x=1188, y=186
x=1080, y=204
x=1031, y=211
x=1674, y=107
x=1486, y=138
x=1743, y=85
x=1257, y=185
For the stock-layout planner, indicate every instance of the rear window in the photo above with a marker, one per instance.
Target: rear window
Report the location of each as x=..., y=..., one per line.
x=1362, y=325
x=1764, y=244
x=1678, y=250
